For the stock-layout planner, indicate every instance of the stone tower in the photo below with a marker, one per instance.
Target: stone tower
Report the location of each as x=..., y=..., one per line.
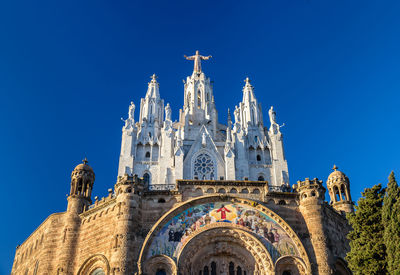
x=79, y=199
x=82, y=179
x=339, y=191
x=312, y=197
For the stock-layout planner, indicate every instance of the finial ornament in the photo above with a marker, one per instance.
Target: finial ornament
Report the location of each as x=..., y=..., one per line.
x=197, y=61
x=85, y=161
x=153, y=78
x=247, y=80
x=335, y=167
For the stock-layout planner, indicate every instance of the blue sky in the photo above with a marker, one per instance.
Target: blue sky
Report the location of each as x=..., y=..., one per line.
x=68, y=70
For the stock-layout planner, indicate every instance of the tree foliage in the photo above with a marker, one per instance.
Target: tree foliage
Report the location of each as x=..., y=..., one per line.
x=368, y=251
x=391, y=223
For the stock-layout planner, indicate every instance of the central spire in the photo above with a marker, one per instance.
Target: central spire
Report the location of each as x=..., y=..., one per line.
x=197, y=61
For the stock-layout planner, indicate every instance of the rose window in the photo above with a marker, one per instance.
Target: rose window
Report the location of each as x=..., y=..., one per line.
x=204, y=167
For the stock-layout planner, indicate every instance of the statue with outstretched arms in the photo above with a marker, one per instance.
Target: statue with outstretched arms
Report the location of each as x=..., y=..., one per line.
x=197, y=61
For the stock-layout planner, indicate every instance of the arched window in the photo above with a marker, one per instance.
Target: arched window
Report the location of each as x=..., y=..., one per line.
x=231, y=268
x=205, y=270
x=210, y=190
x=282, y=202
x=147, y=155
x=233, y=191
x=198, y=99
x=336, y=193
x=343, y=192
x=146, y=178
x=213, y=268
x=204, y=168
x=261, y=178
x=239, y=270
x=161, y=272
x=258, y=158
x=287, y=272
x=98, y=271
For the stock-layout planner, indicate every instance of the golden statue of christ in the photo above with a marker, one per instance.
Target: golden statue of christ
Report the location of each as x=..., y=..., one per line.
x=197, y=61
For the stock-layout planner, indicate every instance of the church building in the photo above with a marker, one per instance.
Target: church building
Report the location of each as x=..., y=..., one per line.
x=196, y=197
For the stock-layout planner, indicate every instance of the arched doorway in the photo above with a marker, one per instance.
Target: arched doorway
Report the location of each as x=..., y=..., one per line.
x=224, y=249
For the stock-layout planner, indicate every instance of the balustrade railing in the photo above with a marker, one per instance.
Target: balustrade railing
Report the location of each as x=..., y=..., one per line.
x=161, y=187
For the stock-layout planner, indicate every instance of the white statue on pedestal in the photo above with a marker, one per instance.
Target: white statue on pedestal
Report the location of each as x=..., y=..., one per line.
x=167, y=112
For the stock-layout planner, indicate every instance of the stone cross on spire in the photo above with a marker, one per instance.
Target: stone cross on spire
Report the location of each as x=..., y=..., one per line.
x=197, y=61
x=85, y=161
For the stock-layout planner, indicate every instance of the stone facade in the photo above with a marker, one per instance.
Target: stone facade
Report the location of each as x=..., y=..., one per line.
x=195, y=197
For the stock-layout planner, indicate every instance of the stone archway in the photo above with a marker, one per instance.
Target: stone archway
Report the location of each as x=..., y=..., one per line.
x=290, y=265
x=221, y=247
x=158, y=263
x=254, y=232
x=94, y=263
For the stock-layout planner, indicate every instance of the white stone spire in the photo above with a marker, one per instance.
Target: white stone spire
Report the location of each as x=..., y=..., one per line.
x=151, y=107
x=199, y=106
x=251, y=109
x=163, y=151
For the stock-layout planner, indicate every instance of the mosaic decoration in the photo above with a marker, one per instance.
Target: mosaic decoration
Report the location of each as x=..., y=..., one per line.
x=173, y=235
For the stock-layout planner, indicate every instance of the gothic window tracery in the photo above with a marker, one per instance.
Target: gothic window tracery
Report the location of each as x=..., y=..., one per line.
x=204, y=167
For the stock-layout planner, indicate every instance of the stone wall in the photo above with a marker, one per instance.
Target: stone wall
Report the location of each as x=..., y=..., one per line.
x=110, y=233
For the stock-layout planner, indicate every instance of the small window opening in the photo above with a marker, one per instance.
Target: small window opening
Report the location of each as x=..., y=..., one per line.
x=161, y=200
x=258, y=158
x=261, y=178
x=146, y=178
x=282, y=202
x=147, y=155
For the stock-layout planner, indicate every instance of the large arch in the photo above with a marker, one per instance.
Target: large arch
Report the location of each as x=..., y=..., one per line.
x=163, y=234
x=222, y=244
